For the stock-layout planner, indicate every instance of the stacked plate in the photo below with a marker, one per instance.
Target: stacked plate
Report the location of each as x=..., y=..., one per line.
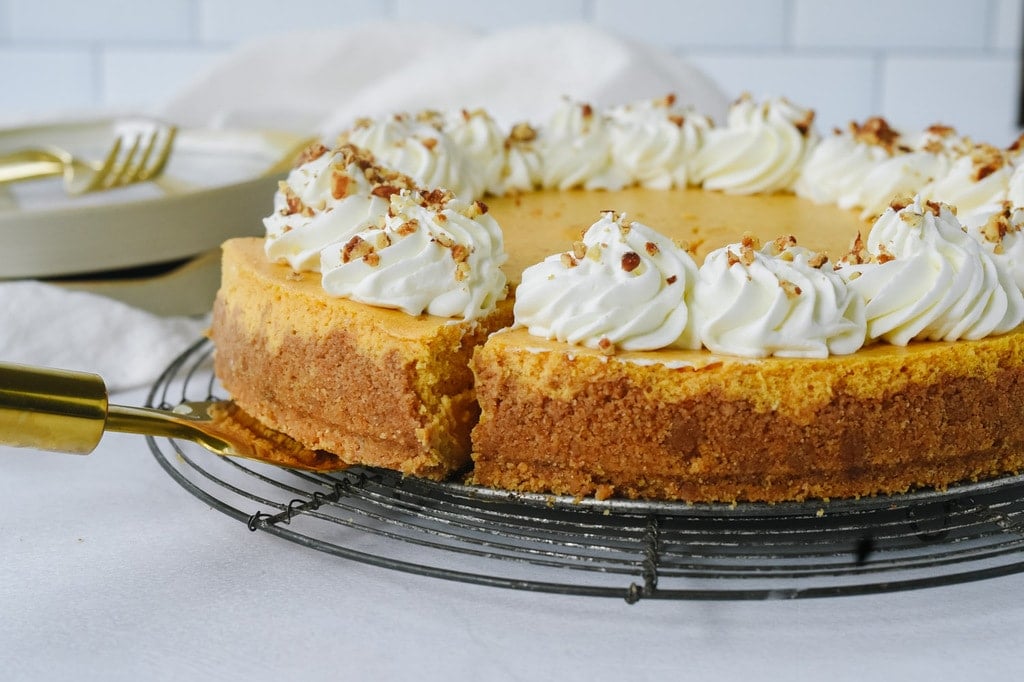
x=155, y=244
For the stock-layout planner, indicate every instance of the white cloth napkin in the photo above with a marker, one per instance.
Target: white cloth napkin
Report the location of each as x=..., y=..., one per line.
x=53, y=327
x=323, y=81
x=319, y=83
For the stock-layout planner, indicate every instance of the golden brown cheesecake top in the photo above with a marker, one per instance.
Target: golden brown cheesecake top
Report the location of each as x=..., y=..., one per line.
x=545, y=222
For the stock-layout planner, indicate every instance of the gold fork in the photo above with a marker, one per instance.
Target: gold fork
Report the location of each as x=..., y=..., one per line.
x=64, y=411
x=132, y=158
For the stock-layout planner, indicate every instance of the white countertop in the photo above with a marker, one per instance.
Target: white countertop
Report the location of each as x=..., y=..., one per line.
x=111, y=570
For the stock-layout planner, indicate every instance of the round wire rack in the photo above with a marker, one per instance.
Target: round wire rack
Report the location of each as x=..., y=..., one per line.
x=628, y=549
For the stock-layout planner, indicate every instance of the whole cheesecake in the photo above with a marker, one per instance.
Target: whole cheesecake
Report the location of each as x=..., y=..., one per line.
x=316, y=354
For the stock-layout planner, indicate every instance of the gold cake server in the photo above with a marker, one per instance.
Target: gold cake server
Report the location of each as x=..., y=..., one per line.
x=65, y=411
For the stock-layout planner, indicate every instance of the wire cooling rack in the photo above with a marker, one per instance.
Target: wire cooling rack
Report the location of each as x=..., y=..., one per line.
x=620, y=548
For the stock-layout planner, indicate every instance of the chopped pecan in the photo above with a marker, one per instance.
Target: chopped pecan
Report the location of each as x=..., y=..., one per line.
x=357, y=247
x=311, y=153
x=630, y=261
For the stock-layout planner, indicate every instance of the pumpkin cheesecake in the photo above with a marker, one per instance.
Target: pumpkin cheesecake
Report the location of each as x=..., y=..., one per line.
x=745, y=320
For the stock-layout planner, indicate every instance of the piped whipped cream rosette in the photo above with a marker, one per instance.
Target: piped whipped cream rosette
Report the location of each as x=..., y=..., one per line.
x=623, y=286
x=521, y=170
x=1015, y=185
x=481, y=141
x=870, y=164
x=329, y=196
x=655, y=142
x=923, y=277
x=977, y=183
x=837, y=167
x=781, y=300
x=431, y=253
x=761, y=149
x=575, y=147
x=423, y=147
x=1002, y=237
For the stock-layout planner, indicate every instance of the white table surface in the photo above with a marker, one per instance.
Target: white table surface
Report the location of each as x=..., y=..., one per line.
x=110, y=570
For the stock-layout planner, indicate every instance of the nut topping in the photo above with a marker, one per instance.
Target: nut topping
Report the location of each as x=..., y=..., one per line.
x=630, y=261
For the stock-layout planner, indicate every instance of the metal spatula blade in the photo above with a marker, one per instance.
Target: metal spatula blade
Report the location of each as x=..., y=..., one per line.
x=65, y=411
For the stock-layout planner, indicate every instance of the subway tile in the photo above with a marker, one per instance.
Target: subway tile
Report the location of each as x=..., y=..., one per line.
x=978, y=96
x=495, y=16
x=235, y=20
x=839, y=89
x=77, y=21
x=145, y=78
x=44, y=80
x=885, y=25
x=696, y=23
x=1008, y=24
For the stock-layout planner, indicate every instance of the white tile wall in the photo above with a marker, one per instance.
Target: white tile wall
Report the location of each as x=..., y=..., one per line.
x=487, y=15
x=99, y=21
x=684, y=23
x=46, y=78
x=885, y=25
x=1008, y=18
x=910, y=60
x=968, y=89
x=230, y=21
x=804, y=79
x=135, y=77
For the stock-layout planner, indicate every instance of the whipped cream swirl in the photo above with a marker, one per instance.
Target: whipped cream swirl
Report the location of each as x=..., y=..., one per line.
x=835, y=170
x=922, y=277
x=1002, y=236
x=1015, y=186
x=327, y=197
x=760, y=150
x=914, y=162
x=654, y=142
x=420, y=147
x=481, y=142
x=622, y=286
x=522, y=171
x=433, y=254
x=575, y=148
x=976, y=183
x=782, y=300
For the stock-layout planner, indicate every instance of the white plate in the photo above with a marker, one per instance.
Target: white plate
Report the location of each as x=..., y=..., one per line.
x=218, y=184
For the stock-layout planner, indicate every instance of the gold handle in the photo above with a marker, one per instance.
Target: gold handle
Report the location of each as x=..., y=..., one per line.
x=51, y=409
x=28, y=164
